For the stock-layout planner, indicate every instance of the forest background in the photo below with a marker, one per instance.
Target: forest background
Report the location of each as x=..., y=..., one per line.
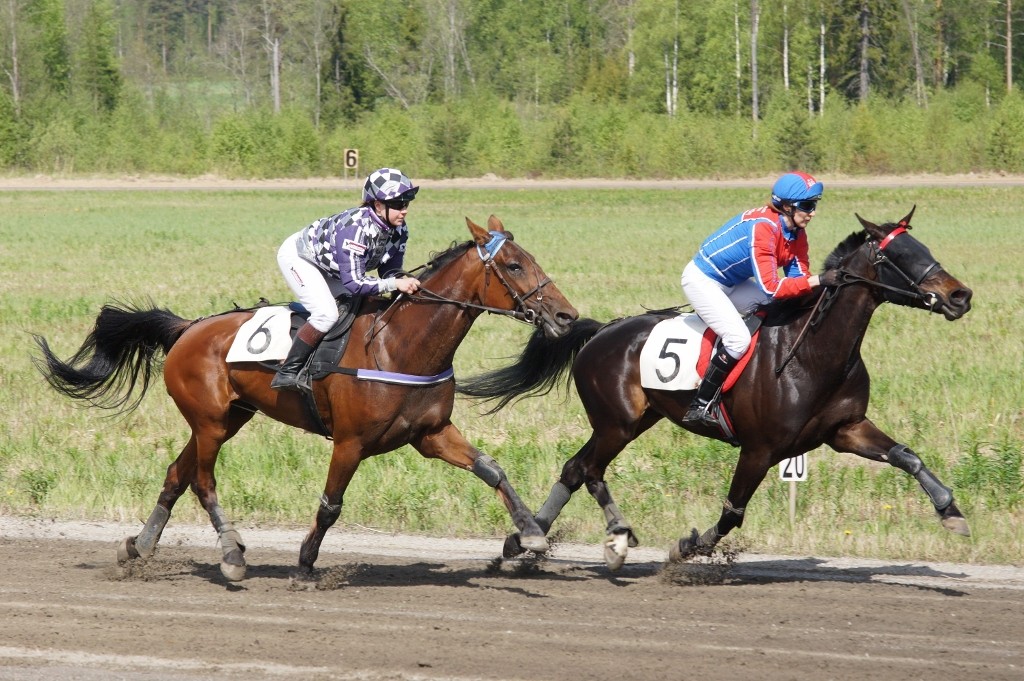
x=517, y=88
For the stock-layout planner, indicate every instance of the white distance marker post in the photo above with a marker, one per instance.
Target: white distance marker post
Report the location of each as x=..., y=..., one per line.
x=794, y=470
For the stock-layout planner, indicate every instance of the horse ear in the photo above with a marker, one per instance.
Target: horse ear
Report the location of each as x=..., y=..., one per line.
x=480, y=235
x=905, y=222
x=494, y=224
x=871, y=228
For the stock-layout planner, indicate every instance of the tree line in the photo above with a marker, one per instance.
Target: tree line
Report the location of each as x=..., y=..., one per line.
x=568, y=87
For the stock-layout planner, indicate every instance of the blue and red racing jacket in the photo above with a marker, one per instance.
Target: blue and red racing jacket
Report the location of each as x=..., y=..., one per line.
x=757, y=243
x=348, y=245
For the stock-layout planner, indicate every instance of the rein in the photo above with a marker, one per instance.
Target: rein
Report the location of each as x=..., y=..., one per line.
x=824, y=302
x=487, y=252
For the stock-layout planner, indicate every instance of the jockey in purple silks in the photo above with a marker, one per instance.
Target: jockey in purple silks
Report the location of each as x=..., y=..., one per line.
x=333, y=256
x=737, y=268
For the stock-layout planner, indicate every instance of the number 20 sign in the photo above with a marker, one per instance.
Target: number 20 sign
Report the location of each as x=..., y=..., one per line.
x=794, y=469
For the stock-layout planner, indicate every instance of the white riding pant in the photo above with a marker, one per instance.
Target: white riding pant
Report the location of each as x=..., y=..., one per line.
x=722, y=307
x=314, y=289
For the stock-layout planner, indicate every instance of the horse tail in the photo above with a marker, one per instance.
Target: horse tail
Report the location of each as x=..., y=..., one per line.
x=540, y=365
x=118, y=354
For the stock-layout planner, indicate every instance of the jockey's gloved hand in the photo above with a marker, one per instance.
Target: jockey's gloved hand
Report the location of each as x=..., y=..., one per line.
x=829, y=278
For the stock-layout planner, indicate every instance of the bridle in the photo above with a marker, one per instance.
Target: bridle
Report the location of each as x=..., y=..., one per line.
x=878, y=259
x=487, y=252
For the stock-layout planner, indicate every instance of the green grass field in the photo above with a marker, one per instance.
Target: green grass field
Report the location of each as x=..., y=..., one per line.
x=952, y=391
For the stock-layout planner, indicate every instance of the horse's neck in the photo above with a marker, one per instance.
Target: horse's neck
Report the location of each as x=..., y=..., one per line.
x=844, y=324
x=418, y=337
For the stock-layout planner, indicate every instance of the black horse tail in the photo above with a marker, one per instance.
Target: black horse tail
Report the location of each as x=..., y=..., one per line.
x=539, y=367
x=120, y=350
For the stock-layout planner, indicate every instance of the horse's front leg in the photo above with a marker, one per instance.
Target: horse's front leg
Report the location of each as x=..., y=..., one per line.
x=750, y=471
x=865, y=439
x=344, y=461
x=449, y=445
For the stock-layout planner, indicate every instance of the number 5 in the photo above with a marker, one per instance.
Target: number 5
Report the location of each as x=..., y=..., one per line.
x=675, y=360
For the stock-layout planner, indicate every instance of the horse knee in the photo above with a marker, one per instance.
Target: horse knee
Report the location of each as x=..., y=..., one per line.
x=488, y=470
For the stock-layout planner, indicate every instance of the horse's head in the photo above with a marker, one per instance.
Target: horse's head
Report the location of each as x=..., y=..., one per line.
x=524, y=288
x=908, y=274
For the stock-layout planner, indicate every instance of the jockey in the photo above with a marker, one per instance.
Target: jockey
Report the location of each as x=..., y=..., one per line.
x=737, y=268
x=332, y=258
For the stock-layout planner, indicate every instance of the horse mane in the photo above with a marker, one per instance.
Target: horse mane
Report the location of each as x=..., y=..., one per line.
x=781, y=312
x=439, y=259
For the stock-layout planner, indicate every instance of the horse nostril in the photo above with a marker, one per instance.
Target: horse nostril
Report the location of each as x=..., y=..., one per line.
x=961, y=297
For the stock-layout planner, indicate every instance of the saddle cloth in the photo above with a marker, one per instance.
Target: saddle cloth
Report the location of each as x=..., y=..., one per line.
x=267, y=336
x=678, y=350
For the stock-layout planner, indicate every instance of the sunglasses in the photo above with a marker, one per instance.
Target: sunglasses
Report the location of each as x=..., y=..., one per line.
x=397, y=204
x=808, y=206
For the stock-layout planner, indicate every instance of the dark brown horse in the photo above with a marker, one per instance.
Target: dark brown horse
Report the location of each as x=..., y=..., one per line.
x=415, y=336
x=806, y=385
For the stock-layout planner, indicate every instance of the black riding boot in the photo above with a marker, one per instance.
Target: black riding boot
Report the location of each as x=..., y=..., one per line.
x=708, y=390
x=306, y=340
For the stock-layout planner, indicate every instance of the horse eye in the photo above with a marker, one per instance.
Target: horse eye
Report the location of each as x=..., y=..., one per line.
x=515, y=267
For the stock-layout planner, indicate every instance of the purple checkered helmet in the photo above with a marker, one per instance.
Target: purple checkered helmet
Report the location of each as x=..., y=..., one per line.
x=387, y=184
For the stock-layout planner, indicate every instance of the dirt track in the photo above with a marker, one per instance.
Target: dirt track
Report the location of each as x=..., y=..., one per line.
x=386, y=607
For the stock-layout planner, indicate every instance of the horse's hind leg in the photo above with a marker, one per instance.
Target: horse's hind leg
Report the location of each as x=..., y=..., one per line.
x=866, y=440
x=210, y=437
x=180, y=474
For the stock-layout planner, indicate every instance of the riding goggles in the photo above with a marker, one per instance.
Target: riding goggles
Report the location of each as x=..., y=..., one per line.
x=807, y=205
x=397, y=204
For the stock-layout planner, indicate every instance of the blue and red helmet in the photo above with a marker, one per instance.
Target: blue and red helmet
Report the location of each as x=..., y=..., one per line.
x=388, y=184
x=796, y=186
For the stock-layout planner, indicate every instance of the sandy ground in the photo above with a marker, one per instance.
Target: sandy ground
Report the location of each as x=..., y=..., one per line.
x=396, y=607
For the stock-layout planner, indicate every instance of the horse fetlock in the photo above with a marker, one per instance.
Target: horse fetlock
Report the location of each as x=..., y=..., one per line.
x=231, y=543
x=940, y=495
x=488, y=470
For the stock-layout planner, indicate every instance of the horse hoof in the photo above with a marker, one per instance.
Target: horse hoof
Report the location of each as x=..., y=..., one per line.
x=537, y=544
x=513, y=546
x=126, y=550
x=616, y=548
x=232, y=573
x=957, y=525
x=684, y=549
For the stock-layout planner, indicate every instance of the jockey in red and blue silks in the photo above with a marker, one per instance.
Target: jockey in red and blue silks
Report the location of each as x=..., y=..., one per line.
x=737, y=268
x=333, y=256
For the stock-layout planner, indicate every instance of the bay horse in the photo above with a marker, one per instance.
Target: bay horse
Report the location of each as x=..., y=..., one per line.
x=805, y=385
x=415, y=336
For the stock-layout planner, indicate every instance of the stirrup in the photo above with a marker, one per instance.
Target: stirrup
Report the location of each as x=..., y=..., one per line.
x=285, y=381
x=702, y=415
